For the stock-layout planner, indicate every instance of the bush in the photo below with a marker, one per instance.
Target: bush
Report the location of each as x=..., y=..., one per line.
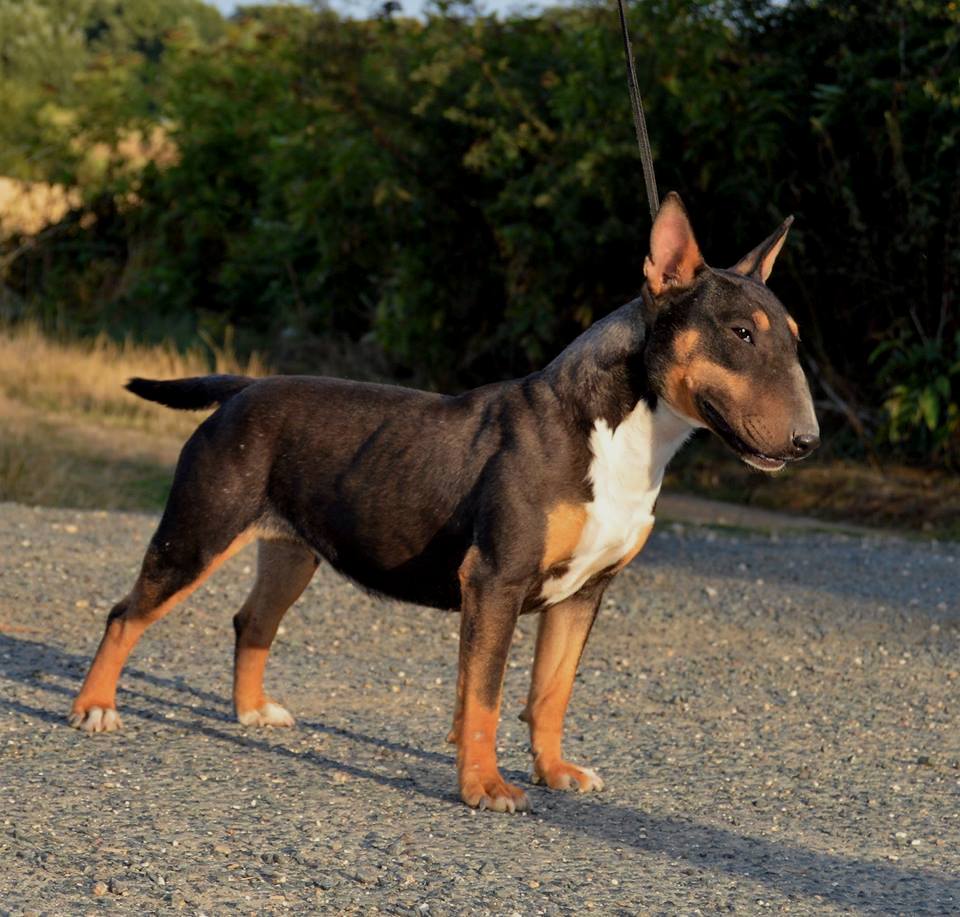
x=922, y=405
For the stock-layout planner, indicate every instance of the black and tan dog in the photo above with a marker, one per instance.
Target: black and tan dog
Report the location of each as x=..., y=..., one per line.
x=524, y=496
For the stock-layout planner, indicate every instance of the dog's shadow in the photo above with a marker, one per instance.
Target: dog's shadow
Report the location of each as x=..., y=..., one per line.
x=866, y=885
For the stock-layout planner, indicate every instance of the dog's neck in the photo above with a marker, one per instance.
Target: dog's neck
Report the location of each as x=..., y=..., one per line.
x=602, y=375
x=602, y=379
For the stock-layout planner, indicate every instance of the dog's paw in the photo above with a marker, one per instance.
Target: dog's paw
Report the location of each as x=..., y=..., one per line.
x=561, y=775
x=491, y=791
x=267, y=714
x=95, y=719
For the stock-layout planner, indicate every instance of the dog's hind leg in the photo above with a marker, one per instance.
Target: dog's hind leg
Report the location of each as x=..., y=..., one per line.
x=283, y=570
x=172, y=568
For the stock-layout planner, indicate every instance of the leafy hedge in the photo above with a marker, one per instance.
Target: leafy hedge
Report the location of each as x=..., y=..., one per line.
x=466, y=190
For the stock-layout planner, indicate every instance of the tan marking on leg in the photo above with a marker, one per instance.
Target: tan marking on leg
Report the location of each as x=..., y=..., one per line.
x=467, y=566
x=486, y=627
x=561, y=636
x=760, y=320
x=100, y=686
x=565, y=524
x=792, y=325
x=637, y=547
x=481, y=785
x=283, y=571
x=464, y=573
x=453, y=736
x=249, y=699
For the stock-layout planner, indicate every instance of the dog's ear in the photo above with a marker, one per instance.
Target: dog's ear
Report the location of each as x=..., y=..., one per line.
x=674, y=258
x=759, y=263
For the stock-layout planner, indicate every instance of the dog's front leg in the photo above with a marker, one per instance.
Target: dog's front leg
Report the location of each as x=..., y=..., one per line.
x=488, y=616
x=562, y=634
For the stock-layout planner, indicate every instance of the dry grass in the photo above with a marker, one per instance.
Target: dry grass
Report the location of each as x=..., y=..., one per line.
x=70, y=435
x=44, y=465
x=85, y=379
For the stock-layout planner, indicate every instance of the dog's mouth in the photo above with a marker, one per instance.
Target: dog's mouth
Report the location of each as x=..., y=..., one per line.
x=744, y=450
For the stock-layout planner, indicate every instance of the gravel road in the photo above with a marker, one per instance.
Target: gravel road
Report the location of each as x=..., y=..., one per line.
x=775, y=718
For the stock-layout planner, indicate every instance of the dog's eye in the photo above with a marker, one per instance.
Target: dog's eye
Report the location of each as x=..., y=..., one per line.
x=743, y=334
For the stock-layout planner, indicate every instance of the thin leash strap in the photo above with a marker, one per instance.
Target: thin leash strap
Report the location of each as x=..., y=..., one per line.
x=639, y=122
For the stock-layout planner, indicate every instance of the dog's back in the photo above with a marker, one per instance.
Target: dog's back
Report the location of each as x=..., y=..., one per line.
x=383, y=481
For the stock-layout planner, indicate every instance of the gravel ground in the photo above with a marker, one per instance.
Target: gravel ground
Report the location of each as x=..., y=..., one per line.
x=774, y=716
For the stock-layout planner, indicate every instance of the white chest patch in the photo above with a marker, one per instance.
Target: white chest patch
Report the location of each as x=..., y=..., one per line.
x=626, y=473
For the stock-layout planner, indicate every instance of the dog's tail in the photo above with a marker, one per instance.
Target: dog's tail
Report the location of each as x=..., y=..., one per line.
x=193, y=394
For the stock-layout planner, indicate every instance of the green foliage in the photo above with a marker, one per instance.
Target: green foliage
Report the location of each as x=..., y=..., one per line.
x=76, y=71
x=466, y=192
x=922, y=379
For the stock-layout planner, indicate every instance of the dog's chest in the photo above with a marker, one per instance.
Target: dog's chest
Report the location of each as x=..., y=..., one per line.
x=625, y=474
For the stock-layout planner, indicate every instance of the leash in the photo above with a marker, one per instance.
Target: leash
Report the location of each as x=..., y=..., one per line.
x=639, y=121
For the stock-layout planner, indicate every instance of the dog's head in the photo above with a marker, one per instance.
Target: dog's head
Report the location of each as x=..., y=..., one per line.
x=721, y=348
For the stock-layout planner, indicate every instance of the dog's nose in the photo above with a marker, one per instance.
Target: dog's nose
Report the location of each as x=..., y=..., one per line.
x=804, y=444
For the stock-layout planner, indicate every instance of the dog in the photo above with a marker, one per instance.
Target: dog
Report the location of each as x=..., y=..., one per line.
x=516, y=497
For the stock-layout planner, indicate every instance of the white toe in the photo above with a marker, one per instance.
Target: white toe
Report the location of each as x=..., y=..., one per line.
x=270, y=714
x=593, y=783
x=96, y=719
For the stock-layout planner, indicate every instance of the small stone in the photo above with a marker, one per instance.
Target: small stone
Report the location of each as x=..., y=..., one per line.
x=221, y=848
x=100, y=889
x=117, y=887
x=367, y=876
x=924, y=760
x=397, y=847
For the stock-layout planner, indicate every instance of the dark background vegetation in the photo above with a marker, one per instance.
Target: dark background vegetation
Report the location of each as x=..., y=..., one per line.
x=456, y=198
